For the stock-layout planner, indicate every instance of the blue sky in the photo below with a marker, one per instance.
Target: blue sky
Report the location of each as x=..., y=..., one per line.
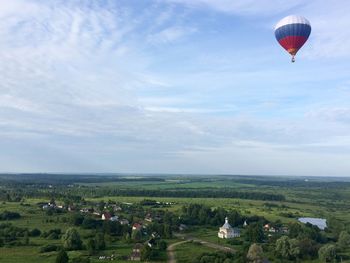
x=173, y=86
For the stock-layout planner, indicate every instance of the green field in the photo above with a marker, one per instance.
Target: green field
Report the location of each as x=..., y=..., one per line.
x=186, y=252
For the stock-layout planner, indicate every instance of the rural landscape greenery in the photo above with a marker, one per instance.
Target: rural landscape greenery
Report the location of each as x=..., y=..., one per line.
x=171, y=218
x=174, y=131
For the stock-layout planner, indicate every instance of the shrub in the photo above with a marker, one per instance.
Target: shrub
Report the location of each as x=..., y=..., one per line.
x=52, y=234
x=35, y=232
x=48, y=248
x=7, y=215
x=62, y=257
x=81, y=260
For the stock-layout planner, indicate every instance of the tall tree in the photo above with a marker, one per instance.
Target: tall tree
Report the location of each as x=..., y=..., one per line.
x=308, y=248
x=71, y=239
x=162, y=245
x=344, y=239
x=287, y=248
x=294, y=250
x=136, y=235
x=100, y=241
x=294, y=230
x=91, y=246
x=327, y=253
x=167, y=231
x=77, y=219
x=146, y=253
x=62, y=257
x=255, y=254
x=255, y=233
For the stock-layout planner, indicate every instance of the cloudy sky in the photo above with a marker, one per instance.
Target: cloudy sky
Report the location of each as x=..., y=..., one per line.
x=173, y=86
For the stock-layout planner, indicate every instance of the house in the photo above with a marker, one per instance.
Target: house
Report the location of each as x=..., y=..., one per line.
x=151, y=243
x=227, y=231
x=96, y=213
x=52, y=203
x=124, y=221
x=136, y=252
x=284, y=229
x=106, y=216
x=87, y=210
x=136, y=226
x=117, y=208
x=114, y=218
x=149, y=218
x=270, y=228
x=71, y=208
x=155, y=235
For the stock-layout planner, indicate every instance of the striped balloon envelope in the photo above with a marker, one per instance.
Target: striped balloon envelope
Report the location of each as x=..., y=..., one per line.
x=292, y=32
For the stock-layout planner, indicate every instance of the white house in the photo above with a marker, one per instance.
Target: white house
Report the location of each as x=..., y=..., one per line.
x=227, y=231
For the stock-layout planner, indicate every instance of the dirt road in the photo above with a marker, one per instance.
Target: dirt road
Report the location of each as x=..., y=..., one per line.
x=171, y=251
x=213, y=245
x=171, y=248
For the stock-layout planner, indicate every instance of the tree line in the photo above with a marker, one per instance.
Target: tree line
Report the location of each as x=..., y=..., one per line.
x=190, y=193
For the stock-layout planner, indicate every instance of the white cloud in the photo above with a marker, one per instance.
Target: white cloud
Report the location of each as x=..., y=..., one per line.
x=329, y=37
x=7, y=101
x=331, y=114
x=268, y=161
x=243, y=7
x=79, y=84
x=15, y=7
x=189, y=110
x=170, y=34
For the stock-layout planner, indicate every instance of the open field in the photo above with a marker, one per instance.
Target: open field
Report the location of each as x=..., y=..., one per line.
x=185, y=252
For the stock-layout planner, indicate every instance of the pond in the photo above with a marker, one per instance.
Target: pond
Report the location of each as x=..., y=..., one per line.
x=321, y=223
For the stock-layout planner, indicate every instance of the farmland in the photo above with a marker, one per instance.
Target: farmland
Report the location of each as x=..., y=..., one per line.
x=56, y=204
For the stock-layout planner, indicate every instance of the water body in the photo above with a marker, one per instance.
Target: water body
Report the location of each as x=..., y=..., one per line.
x=321, y=223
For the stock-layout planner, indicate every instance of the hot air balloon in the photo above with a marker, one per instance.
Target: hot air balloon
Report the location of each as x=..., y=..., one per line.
x=292, y=32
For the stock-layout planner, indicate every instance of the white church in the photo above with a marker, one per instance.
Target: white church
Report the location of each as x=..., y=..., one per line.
x=227, y=231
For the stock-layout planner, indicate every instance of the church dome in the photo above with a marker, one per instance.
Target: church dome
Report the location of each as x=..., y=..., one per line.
x=226, y=225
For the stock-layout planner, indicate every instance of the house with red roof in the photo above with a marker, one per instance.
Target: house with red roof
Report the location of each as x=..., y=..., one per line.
x=106, y=216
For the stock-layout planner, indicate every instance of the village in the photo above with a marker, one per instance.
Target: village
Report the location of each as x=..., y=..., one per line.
x=90, y=225
x=149, y=227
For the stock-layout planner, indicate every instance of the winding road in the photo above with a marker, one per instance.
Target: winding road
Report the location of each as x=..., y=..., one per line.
x=171, y=251
x=171, y=248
